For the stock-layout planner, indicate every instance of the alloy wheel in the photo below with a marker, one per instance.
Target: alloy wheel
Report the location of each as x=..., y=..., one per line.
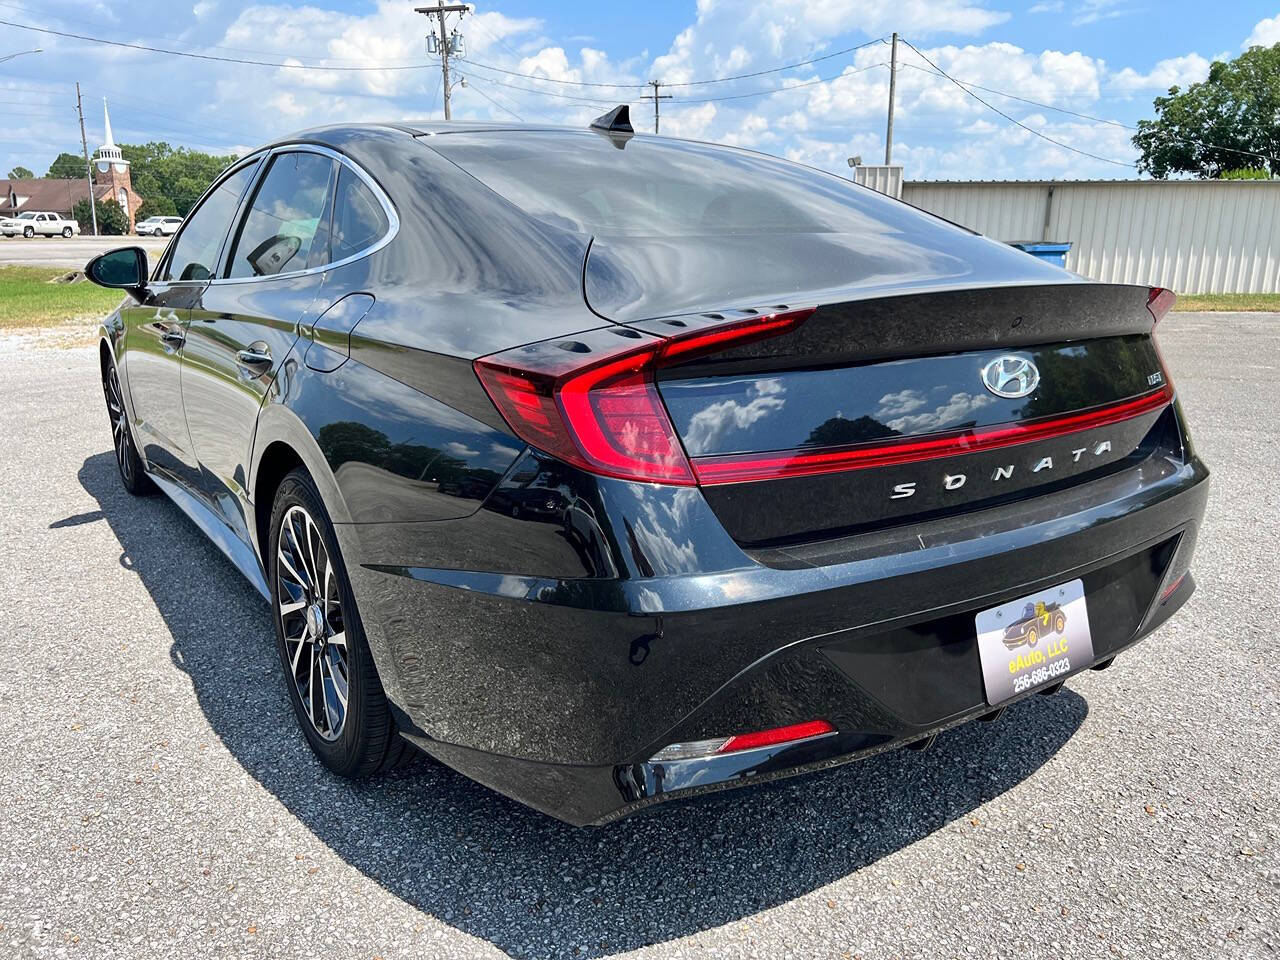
x=120, y=437
x=310, y=608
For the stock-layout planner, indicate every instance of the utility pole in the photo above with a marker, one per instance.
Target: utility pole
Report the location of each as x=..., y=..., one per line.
x=655, y=97
x=446, y=43
x=88, y=170
x=893, y=82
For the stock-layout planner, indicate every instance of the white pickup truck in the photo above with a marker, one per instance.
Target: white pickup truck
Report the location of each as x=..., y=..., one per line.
x=31, y=223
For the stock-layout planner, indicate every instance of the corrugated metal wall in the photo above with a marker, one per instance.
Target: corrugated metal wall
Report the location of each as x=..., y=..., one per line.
x=1193, y=236
x=884, y=178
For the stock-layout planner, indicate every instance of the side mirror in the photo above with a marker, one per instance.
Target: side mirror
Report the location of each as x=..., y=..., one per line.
x=122, y=269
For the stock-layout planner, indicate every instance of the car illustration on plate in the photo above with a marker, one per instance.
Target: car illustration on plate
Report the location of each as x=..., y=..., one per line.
x=1038, y=620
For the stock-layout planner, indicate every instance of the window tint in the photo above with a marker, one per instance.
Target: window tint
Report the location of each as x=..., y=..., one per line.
x=195, y=254
x=358, y=218
x=654, y=187
x=286, y=214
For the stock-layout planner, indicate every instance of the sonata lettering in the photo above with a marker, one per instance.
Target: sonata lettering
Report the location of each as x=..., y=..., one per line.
x=954, y=481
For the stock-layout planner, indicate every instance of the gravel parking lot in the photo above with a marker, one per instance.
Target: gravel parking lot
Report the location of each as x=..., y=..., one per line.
x=159, y=801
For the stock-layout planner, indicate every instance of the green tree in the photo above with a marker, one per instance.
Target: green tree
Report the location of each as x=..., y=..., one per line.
x=112, y=220
x=67, y=166
x=181, y=175
x=154, y=206
x=20, y=173
x=1246, y=173
x=1229, y=119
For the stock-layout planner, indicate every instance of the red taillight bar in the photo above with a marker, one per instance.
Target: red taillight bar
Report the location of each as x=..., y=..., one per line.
x=598, y=408
x=801, y=463
x=1159, y=302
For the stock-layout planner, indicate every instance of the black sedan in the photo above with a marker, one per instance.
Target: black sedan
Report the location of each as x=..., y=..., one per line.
x=798, y=435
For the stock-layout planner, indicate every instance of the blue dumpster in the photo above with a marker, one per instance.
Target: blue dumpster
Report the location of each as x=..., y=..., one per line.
x=1055, y=253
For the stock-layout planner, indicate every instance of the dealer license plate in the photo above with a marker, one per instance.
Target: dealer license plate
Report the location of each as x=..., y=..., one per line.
x=1033, y=641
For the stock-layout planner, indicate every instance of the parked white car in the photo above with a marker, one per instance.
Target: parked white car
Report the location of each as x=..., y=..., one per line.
x=31, y=223
x=158, y=226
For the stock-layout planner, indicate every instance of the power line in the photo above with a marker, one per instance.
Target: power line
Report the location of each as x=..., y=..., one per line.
x=549, y=93
x=98, y=23
x=1013, y=96
x=1017, y=123
x=686, y=83
x=794, y=86
x=207, y=56
x=789, y=66
x=571, y=83
x=471, y=85
x=1073, y=113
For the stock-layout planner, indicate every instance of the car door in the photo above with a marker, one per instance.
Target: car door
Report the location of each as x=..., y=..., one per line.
x=43, y=225
x=155, y=330
x=248, y=319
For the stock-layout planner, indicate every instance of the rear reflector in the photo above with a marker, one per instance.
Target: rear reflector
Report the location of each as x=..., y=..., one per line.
x=1172, y=588
x=1159, y=302
x=599, y=409
x=777, y=736
x=802, y=463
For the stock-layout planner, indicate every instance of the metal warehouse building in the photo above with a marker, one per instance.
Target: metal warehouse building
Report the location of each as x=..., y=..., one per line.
x=1193, y=236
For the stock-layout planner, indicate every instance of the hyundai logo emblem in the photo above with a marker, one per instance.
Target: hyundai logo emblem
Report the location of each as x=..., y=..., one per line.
x=1010, y=377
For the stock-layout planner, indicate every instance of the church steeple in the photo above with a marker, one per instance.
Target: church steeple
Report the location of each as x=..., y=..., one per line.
x=108, y=151
x=111, y=170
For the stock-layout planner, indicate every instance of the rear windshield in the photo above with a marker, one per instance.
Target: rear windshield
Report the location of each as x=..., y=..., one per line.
x=582, y=181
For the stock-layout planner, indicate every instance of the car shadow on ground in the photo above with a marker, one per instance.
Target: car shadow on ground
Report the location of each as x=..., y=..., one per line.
x=516, y=878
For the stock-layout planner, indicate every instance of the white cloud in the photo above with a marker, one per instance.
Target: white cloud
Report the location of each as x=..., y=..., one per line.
x=1091, y=11
x=1265, y=33
x=1179, y=71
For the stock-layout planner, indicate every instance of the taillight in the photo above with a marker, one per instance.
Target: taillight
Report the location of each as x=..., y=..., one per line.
x=773, y=737
x=592, y=401
x=1159, y=302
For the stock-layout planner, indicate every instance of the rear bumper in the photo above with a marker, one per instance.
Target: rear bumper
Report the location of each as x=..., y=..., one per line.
x=557, y=691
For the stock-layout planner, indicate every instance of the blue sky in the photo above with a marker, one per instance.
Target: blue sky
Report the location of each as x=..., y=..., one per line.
x=1103, y=58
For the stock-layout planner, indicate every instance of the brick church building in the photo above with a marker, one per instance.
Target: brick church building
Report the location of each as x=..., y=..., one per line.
x=111, y=180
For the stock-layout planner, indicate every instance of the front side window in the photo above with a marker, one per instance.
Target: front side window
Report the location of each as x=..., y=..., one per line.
x=195, y=252
x=358, y=218
x=285, y=217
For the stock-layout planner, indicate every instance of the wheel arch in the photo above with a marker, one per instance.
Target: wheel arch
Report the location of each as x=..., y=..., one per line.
x=283, y=443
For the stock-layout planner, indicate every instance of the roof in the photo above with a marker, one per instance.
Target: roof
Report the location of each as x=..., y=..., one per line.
x=52, y=194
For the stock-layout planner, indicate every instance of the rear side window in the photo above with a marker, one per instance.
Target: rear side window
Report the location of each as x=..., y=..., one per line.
x=358, y=218
x=195, y=254
x=285, y=218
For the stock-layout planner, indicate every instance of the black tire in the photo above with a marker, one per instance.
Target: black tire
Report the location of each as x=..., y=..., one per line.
x=365, y=741
x=66, y=232
x=28, y=232
x=133, y=474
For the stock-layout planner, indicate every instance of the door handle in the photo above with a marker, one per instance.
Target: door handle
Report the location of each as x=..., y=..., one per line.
x=253, y=358
x=174, y=335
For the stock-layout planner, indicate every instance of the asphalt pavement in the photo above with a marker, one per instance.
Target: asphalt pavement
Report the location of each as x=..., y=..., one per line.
x=159, y=801
x=73, y=253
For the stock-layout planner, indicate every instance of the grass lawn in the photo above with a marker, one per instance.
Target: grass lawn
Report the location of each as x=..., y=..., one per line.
x=1228, y=301
x=27, y=299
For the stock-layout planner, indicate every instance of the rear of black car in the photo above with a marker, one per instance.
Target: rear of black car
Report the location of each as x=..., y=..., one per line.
x=819, y=444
